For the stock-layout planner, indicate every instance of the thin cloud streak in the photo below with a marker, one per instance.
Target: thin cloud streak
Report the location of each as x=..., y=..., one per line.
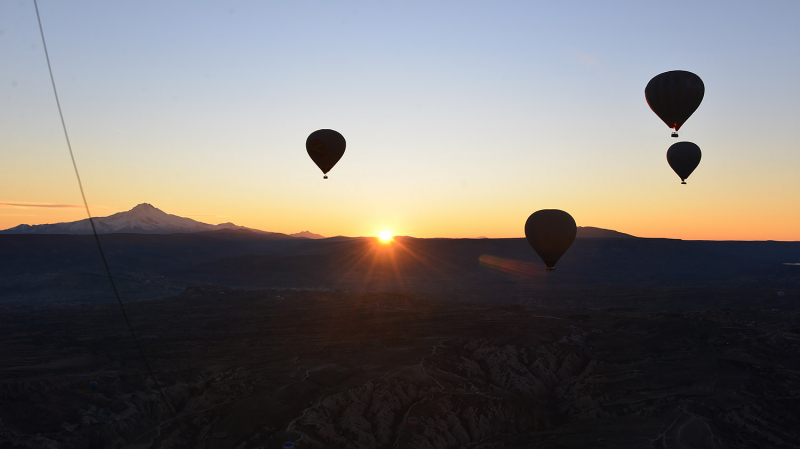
x=48, y=205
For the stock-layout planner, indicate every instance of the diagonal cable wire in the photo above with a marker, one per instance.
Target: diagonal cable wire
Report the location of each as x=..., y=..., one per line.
x=97, y=239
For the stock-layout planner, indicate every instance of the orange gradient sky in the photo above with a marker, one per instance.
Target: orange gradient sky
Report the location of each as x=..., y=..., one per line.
x=461, y=119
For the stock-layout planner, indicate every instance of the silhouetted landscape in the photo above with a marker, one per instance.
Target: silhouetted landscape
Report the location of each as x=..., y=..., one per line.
x=261, y=338
x=399, y=225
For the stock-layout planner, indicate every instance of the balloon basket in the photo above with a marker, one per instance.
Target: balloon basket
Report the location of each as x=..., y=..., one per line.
x=683, y=182
x=551, y=269
x=325, y=177
x=674, y=134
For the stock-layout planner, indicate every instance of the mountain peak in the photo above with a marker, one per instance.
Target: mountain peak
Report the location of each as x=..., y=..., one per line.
x=144, y=208
x=144, y=218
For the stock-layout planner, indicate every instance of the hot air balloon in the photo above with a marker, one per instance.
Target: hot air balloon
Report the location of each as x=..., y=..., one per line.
x=550, y=232
x=412, y=421
x=288, y=445
x=781, y=294
x=326, y=147
x=683, y=157
x=674, y=96
x=93, y=385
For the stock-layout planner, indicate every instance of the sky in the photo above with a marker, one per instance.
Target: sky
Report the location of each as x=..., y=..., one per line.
x=461, y=118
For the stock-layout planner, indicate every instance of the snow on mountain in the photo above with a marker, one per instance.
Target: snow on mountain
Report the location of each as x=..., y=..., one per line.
x=147, y=219
x=142, y=219
x=308, y=235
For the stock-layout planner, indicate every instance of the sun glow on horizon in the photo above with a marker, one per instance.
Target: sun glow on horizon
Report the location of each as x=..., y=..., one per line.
x=385, y=236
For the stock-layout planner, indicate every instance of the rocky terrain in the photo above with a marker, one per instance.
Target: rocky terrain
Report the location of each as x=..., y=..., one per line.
x=343, y=369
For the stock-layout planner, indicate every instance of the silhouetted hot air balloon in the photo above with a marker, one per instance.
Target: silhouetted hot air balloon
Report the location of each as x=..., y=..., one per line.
x=325, y=147
x=683, y=157
x=550, y=232
x=674, y=96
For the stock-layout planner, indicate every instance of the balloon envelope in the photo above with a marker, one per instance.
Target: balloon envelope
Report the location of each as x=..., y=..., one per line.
x=683, y=157
x=550, y=232
x=326, y=147
x=674, y=96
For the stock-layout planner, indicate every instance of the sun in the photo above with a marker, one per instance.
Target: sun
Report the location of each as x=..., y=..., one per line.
x=385, y=236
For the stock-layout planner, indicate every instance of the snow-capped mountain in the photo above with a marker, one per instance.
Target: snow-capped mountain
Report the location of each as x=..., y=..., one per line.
x=142, y=219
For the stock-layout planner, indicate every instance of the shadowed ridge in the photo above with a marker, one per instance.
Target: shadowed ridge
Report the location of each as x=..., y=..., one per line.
x=590, y=232
x=242, y=233
x=308, y=235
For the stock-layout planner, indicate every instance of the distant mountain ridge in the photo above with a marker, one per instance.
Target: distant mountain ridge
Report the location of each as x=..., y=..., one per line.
x=590, y=232
x=142, y=219
x=148, y=219
x=308, y=235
